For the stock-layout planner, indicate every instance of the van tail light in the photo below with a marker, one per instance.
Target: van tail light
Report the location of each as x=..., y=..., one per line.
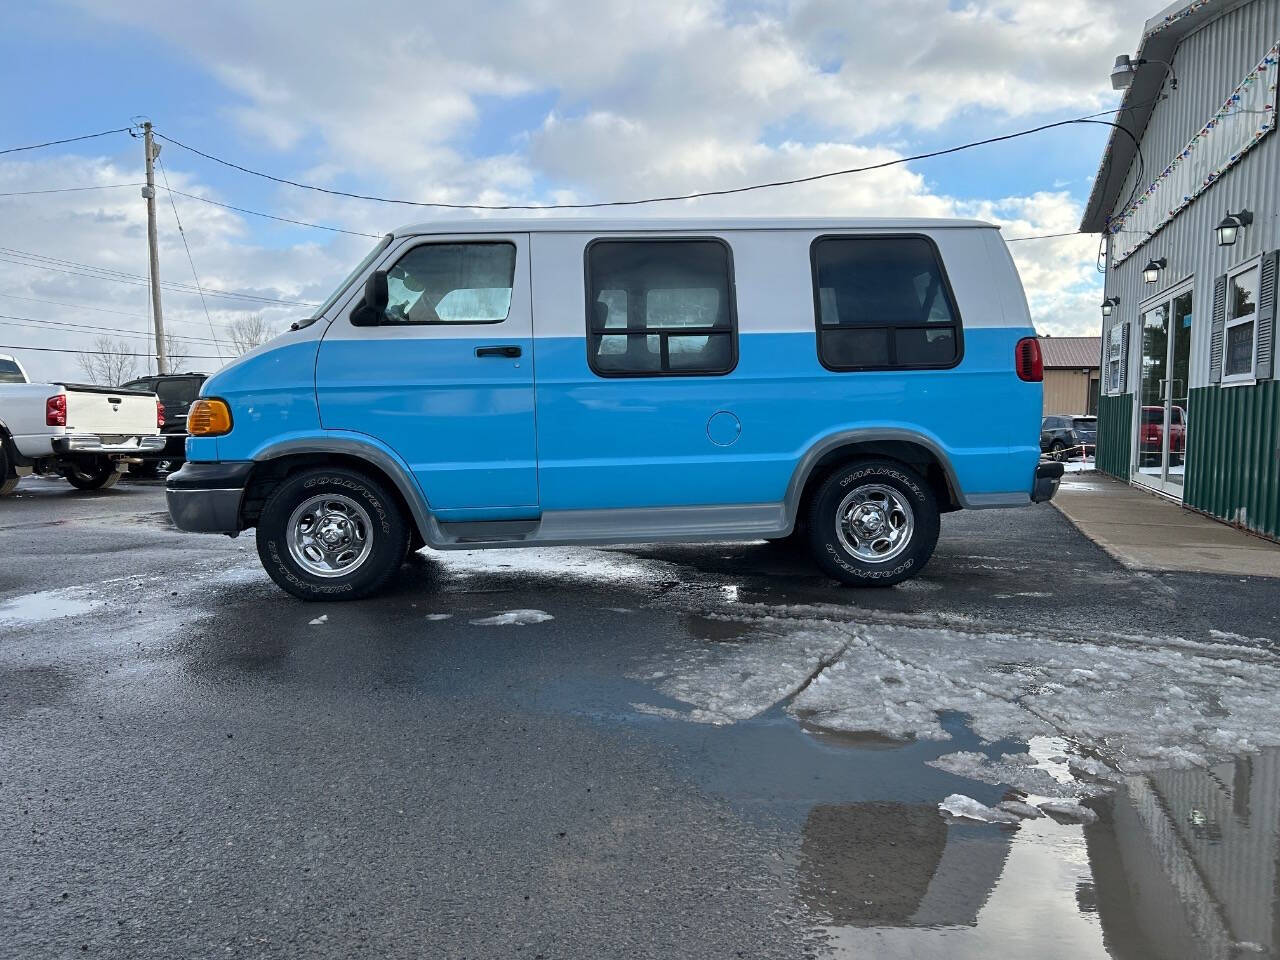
x=1028, y=361
x=55, y=411
x=159, y=415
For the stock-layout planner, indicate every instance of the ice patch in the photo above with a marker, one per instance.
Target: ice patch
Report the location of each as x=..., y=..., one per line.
x=1024, y=810
x=513, y=618
x=438, y=616
x=1071, y=810
x=966, y=808
x=1141, y=704
x=323, y=618
x=727, y=683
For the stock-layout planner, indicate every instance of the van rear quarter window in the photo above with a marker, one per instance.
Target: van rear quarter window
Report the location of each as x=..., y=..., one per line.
x=883, y=303
x=660, y=307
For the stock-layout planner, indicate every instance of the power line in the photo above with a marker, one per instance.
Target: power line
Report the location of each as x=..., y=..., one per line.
x=663, y=199
x=75, y=306
x=1045, y=236
x=119, y=276
x=94, y=328
x=54, y=143
x=271, y=216
x=96, y=353
x=101, y=186
x=183, y=234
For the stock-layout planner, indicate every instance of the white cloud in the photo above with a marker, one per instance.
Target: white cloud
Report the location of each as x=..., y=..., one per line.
x=648, y=98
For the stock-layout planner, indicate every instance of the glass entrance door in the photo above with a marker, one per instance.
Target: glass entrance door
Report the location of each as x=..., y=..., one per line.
x=1160, y=455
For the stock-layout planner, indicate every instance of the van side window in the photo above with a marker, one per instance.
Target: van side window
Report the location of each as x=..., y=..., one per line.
x=452, y=283
x=660, y=308
x=883, y=303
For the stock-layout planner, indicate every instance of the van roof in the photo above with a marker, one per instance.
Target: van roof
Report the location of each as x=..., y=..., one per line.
x=535, y=224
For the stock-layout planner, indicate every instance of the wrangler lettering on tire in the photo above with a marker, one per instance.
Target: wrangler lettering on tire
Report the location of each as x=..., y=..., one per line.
x=873, y=523
x=331, y=535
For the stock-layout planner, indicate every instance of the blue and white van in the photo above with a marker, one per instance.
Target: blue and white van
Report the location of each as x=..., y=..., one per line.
x=543, y=381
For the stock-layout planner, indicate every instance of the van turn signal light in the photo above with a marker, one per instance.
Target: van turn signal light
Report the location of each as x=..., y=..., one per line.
x=209, y=417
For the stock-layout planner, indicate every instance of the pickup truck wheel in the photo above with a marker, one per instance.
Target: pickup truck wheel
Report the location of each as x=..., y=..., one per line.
x=873, y=523
x=97, y=474
x=8, y=479
x=331, y=535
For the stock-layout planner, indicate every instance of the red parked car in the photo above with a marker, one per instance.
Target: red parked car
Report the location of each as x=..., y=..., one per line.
x=1151, y=432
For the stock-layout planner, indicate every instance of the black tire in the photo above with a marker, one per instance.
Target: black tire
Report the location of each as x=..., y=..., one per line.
x=387, y=534
x=8, y=478
x=920, y=526
x=1056, y=448
x=97, y=474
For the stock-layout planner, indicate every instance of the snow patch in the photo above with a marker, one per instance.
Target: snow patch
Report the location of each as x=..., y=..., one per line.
x=966, y=808
x=727, y=683
x=438, y=616
x=1024, y=810
x=1070, y=810
x=323, y=618
x=513, y=618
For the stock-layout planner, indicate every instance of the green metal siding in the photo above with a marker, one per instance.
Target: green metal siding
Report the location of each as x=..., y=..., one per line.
x=1115, y=432
x=1233, y=455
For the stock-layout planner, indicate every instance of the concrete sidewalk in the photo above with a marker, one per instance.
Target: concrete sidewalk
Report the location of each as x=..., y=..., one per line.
x=1147, y=532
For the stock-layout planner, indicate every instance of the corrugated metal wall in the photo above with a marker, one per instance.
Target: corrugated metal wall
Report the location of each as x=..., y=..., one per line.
x=1115, y=422
x=1233, y=455
x=1210, y=64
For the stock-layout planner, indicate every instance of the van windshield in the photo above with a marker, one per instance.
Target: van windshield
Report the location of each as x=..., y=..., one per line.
x=360, y=268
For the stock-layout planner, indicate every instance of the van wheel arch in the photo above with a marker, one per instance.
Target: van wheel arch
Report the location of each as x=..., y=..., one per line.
x=909, y=453
x=267, y=475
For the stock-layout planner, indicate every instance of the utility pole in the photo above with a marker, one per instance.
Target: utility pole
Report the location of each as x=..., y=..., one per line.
x=152, y=150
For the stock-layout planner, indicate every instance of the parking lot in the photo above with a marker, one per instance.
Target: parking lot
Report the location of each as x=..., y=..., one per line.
x=664, y=751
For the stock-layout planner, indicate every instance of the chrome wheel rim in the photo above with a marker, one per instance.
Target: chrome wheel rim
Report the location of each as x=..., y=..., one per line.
x=875, y=523
x=330, y=535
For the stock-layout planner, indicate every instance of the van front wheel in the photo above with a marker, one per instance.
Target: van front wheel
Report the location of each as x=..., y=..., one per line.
x=331, y=535
x=873, y=523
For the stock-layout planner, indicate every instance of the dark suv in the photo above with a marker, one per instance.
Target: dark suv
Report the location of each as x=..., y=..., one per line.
x=1058, y=434
x=177, y=391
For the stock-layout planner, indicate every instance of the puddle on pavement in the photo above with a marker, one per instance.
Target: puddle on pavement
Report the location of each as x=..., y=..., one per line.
x=1181, y=864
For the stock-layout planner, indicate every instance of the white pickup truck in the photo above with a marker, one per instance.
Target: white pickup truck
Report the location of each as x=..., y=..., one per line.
x=86, y=434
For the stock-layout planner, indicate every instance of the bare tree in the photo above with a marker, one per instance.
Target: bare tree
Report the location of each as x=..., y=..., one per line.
x=110, y=362
x=249, y=332
x=177, y=357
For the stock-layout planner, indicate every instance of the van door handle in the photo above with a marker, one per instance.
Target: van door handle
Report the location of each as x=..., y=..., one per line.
x=509, y=350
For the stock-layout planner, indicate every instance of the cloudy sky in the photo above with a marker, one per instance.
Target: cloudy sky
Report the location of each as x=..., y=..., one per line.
x=542, y=102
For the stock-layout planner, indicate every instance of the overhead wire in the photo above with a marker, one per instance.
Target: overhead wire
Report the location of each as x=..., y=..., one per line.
x=95, y=353
x=1090, y=118
x=183, y=234
x=100, y=186
x=94, y=328
x=54, y=143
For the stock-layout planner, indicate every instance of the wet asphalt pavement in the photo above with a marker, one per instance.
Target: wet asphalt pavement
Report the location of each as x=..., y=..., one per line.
x=191, y=765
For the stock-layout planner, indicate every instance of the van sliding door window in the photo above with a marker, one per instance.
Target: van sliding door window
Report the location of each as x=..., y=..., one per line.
x=883, y=303
x=660, y=308
x=451, y=283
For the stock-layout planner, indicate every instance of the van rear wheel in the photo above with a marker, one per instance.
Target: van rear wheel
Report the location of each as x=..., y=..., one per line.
x=331, y=535
x=873, y=523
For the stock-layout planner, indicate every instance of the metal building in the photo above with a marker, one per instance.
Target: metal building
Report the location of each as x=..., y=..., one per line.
x=1187, y=199
x=1070, y=375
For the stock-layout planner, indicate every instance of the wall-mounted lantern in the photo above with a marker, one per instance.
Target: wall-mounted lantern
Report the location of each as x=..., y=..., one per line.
x=1229, y=228
x=1151, y=272
x=1109, y=305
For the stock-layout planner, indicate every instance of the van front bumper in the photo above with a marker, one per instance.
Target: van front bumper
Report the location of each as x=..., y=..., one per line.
x=1048, y=476
x=205, y=497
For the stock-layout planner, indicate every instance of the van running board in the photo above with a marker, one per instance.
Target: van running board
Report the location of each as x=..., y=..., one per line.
x=489, y=531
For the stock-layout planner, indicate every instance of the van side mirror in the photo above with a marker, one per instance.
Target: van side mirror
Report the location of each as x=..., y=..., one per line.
x=370, y=311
